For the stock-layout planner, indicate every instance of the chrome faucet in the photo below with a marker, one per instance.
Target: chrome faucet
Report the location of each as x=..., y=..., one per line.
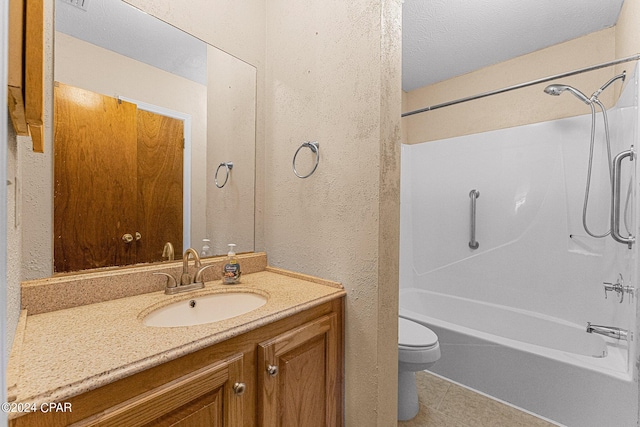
x=619, y=288
x=608, y=331
x=187, y=283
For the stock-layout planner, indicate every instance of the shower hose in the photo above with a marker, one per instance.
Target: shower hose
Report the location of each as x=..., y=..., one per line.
x=594, y=99
x=591, y=145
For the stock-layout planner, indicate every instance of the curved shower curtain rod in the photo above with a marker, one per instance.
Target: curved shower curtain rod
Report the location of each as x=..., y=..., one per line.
x=521, y=85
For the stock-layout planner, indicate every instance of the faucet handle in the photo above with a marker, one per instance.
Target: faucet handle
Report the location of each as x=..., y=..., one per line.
x=171, y=281
x=198, y=277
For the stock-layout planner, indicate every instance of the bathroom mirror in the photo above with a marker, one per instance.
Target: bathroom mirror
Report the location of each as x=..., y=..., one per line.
x=122, y=60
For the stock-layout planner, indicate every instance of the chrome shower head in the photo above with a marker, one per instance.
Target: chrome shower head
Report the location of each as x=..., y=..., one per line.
x=556, y=90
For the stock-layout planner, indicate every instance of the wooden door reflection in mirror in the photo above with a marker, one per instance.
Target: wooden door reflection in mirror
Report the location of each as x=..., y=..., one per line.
x=118, y=181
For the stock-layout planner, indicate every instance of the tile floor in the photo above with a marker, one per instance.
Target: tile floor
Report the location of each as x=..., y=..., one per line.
x=445, y=404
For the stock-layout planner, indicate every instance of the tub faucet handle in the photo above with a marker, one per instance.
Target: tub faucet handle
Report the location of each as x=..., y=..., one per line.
x=619, y=288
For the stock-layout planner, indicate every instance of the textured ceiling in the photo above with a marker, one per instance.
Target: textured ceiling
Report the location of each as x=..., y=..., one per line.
x=119, y=27
x=446, y=38
x=441, y=38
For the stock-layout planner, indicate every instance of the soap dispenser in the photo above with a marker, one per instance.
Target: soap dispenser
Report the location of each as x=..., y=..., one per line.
x=231, y=269
x=206, y=248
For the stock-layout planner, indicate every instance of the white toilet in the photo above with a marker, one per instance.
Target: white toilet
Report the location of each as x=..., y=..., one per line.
x=418, y=349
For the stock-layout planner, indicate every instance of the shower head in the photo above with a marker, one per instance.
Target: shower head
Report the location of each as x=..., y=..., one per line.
x=556, y=90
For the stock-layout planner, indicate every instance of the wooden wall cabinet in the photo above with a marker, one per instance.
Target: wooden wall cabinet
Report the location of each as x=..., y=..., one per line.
x=26, y=69
x=232, y=383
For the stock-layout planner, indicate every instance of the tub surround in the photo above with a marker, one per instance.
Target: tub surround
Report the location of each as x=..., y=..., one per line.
x=63, y=353
x=522, y=300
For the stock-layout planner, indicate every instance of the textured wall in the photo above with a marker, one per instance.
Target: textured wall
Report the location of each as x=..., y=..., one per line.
x=333, y=76
x=37, y=185
x=14, y=229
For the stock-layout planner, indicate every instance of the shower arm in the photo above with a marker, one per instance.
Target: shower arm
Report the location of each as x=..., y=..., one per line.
x=607, y=84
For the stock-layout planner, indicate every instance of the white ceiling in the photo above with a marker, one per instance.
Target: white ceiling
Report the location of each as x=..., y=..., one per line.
x=442, y=39
x=119, y=27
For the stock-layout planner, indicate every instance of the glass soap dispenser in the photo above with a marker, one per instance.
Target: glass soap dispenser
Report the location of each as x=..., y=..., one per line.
x=231, y=269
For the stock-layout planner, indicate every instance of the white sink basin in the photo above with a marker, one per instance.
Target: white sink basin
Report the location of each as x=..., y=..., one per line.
x=205, y=309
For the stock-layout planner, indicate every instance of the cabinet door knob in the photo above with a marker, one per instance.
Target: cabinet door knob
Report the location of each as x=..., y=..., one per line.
x=138, y=235
x=239, y=388
x=272, y=370
x=127, y=238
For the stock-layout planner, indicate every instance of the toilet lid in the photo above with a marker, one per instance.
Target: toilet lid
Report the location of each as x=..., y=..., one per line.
x=412, y=334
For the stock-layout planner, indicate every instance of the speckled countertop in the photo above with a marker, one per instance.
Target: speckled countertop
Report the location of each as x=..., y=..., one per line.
x=67, y=352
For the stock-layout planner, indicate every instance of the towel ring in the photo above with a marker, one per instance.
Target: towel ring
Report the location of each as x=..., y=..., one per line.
x=228, y=166
x=315, y=148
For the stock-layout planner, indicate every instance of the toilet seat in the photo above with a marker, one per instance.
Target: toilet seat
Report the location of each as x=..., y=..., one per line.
x=413, y=335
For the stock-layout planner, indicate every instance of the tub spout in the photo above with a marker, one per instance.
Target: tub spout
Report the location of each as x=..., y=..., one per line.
x=608, y=331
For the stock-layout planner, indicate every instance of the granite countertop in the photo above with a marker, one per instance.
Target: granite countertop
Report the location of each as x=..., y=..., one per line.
x=67, y=352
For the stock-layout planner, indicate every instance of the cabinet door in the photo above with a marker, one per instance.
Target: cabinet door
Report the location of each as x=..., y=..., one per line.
x=211, y=396
x=298, y=376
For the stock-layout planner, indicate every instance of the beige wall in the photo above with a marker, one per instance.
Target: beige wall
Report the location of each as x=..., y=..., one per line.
x=14, y=230
x=37, y=185
x=231, y=134
x=333, y=76
x=628, y=29
x=518, y=107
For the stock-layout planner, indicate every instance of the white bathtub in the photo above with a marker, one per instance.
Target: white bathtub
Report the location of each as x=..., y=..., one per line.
x=545, y=365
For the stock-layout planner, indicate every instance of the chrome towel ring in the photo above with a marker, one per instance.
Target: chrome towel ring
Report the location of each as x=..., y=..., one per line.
x=315, y=148
x=228, y=166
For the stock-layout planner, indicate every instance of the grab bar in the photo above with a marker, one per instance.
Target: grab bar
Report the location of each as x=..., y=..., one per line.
x=473, y=243
x=615, y=199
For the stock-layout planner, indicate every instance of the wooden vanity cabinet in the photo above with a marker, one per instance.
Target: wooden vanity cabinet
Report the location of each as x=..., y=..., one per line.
x=210, y=396
x=298, y=376
x=229, y=383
